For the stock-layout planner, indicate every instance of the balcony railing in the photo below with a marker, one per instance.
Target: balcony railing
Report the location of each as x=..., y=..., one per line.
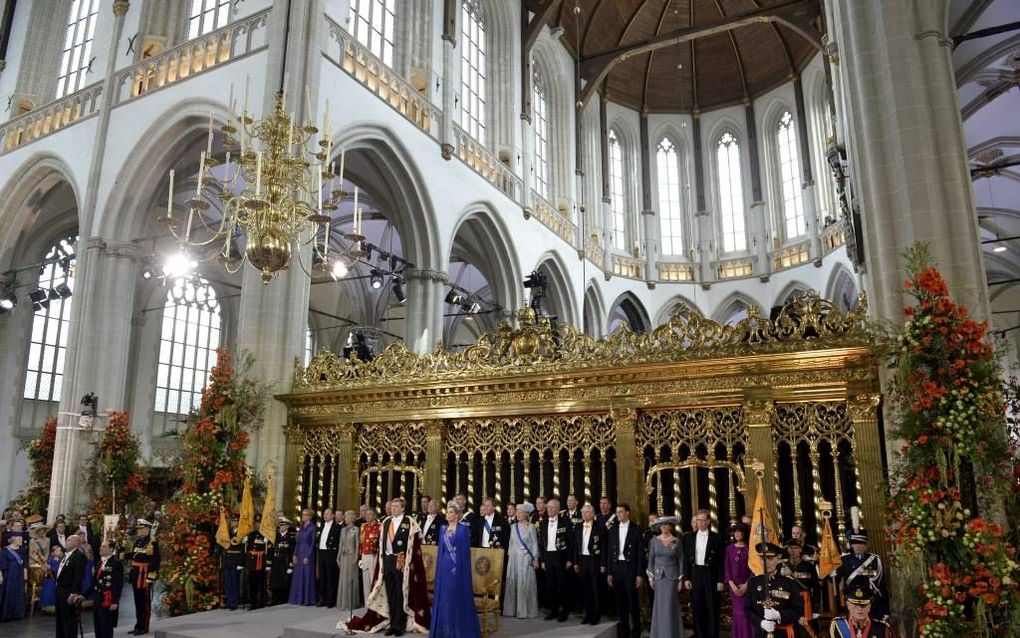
x=594, y=252
x=673, y=272
x=49, y=119
x=833, y=237
x=232, y=42
x=483, y=162
x=734, y=268
x=371, y=72
x=791, y=256
x=553, y=219
x=628, y=267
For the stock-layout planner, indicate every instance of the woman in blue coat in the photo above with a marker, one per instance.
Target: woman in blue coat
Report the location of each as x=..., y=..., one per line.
x=12, y=572
x=453, y=603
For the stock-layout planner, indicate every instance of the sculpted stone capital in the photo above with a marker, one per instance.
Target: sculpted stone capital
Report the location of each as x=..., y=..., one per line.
x=112, y=248
x=427, y=275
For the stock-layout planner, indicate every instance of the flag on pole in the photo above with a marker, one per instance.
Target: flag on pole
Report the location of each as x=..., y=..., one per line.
x=762, y=530
x=828, y=554
x=223, y=531
x=246, y=519
x=268, y=525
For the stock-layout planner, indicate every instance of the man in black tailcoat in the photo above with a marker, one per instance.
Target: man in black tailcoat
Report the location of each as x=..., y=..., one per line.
x=70, y=574
x=703, y=574
x=625, y=562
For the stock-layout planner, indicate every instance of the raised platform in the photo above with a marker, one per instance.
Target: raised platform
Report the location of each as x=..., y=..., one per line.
x=289, y=621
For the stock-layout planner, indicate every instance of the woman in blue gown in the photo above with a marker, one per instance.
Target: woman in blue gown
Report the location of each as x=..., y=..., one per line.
x=12, y=592
x=48, y=593
x=302, y=586
x=453, y=603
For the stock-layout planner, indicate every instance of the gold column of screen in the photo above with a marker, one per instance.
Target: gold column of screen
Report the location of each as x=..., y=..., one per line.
x=676, y=484
x=840, y=507
x=694, y=489
x=498, y=464
x=587, y=476
x=541, y=474
x=604, y=454
x=513, y=475
x=798, y=513
x=556, y=473
x=471, y=480
x=299, y=503
x=713, y=496
x=526, y=456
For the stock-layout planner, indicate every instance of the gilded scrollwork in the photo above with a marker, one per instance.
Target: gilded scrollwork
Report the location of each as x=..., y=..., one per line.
x=536, y=345
x=510, y=434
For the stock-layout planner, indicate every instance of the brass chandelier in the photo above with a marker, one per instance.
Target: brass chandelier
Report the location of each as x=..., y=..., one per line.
x=271, y=190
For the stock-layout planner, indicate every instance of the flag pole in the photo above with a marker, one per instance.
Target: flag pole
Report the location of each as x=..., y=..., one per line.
x=768, y=603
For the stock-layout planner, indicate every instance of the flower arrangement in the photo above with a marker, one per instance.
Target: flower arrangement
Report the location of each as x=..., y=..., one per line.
x=35, y=497
x=116, y=465
x=212, y=469
x=949, y=410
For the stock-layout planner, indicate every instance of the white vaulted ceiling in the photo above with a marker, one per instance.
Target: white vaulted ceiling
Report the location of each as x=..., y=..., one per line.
x=988, y=87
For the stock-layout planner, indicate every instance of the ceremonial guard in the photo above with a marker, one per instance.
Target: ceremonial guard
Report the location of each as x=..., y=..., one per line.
x=369, y=546
x=773, y=603
x=106, y=591
x=858, y=563
x=232, y=564
x=144, y=567
x=805, y=573
x=280, y=565
x=255, y=559
x=858, y=622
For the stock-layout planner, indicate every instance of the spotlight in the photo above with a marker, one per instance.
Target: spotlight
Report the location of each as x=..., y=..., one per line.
x=146, y=274
x=339, y=269
x=179, y=265
x=8, y=300
x=39, y=299
x=474, y=308
x=53, y=294
x=376, y=278
x=398, y=290
x=1000, y=248
x=453, y=298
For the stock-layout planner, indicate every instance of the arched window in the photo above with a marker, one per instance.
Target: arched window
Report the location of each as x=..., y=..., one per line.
x=789, y=174
x=77, y=56
x=44, y=370
x=371, y=22
x=540, y=103
x=667, y=165
x=207, y=15
x=731, y=194
x=472, y=70
x=187, y=347
x=616, y=191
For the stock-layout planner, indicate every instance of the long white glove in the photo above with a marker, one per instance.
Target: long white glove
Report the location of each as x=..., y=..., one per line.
x=768, y=626
x=772, y=614
x=361, y=564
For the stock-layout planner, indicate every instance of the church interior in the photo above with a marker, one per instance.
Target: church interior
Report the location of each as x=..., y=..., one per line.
x=756, y=261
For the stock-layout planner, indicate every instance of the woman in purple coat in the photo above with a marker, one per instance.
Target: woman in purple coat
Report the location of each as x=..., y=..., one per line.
x=736, y=574
x=302, y=587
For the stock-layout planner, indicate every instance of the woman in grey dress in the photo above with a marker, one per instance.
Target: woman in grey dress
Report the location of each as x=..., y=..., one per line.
x=347, y=596
x=665, y=577
x=521, y=597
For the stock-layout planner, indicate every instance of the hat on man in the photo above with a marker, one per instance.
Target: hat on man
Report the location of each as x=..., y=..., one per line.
x=142, y=523
x=768, y=549
x=526, y=507
x=858, y=536
x=859, y=593
x=665, y=520
x=283, y=520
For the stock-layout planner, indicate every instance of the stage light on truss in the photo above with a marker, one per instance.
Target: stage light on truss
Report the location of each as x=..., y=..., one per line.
x=376, y=278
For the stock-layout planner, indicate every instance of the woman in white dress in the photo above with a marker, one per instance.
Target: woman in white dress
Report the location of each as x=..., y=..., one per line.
x=521, y=597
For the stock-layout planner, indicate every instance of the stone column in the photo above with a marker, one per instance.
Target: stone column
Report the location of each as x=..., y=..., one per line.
x=435, y=459
x=97, y=359
x=863, y=412
x=758, y=421
x=449, y=42
x=760, y=224
x=607, y=202
x=809, y=192
x=629, y=483
x=648, y=219
x=702, y=225
x=906, y=144
x=288, y=476
x=273, y=317
x=527, y=164
x=424, y=323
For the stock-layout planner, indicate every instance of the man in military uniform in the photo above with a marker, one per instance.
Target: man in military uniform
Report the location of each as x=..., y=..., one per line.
x=555, y=544
x=859, y=562
x=858, y=622
x=807, y=551
x=280, y=566
x=144, y=567
x=773, y=603
x=491, y=530
x=231, y=565
x=396, y=541
x=805, y=572
x=106, y=590
x=255, y=547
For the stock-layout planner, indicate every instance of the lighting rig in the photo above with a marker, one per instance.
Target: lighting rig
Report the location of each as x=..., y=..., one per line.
x=39, y=297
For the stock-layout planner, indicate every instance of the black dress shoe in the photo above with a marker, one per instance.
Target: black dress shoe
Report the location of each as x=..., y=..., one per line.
x=550, y=616
x=391, y=631
x=399, y=632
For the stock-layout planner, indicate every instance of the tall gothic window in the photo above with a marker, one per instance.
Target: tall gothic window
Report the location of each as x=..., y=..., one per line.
x=789, y=174
x=540, y=103
x=44, y=371
x=81, y=28
x=616, y=191
x=187, y=347
x=472, y=69
x=731, y=194
x=372, y=22
x=667, y=164
x=207, y=15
